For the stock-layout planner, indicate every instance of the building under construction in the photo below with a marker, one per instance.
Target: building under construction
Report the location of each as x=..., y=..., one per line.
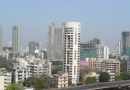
x=126, y=43
x=55, y=43
x=88, y=50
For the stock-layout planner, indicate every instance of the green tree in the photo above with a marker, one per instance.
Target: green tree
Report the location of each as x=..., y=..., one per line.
x=6, y=63
x=57, y=62
x=118, y=78
x=59, y=68
x=69, y=82
x=14, y=87
x=91, y=79
x=43, y=82
x=104, y=77
x=125, y=75
x=123, y=64
x=29, y=81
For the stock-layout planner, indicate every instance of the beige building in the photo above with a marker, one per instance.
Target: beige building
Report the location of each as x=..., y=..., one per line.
x=101, y=65
x=5, y=78
x=60, y=80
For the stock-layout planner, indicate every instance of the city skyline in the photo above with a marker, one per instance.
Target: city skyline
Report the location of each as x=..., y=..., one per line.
x=103, y=19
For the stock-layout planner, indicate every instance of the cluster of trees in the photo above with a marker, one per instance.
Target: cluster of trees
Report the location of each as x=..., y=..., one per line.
x=57, y=68
x=57, y=62
x=83, y=73
x=104, y=77
x=12, y=86
x=90, y=80
x=6, y=63
x=42, y=82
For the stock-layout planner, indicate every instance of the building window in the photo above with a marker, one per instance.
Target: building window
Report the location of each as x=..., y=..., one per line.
x=74, y=70
x=75, y=55
x=75, y=38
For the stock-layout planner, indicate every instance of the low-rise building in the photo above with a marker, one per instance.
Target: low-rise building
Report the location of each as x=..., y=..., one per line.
x=32, y=68
x=101, y=65
x=84, y=64
x=112, y=76
x=5, y=78
x=60, y=80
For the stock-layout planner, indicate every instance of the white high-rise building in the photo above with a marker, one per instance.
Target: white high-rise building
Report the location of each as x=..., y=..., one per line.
x=119, y=48
x=72, y=50
x=27, y=48
x=105, y=52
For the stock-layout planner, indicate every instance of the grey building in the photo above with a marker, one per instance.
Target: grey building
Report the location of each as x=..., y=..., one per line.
x=33, y=46
x=1, y=38
x=16, y=38
x=126, y=43
x=55, y=44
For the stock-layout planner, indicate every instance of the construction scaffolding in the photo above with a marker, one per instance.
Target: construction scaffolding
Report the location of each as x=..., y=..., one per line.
x=88, y=51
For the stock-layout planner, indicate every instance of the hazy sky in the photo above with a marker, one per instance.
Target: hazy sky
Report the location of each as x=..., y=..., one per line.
x=105, y=19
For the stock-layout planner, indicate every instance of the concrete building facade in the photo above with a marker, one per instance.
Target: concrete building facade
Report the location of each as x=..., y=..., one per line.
x=55, y=43
x=72, y=50
x=60, y=80
x=101, y=65
x=105, y=52
x=126, y=43
x=32, y=68
x=5, y=78
x=16, y=38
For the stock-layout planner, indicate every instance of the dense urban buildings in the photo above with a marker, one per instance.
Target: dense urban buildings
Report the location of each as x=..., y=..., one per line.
x=94, y=49
x=29, y=67
x=101, y=65
x=1, y=38
x=16, y=38
x=72, y=50
x=126, y=43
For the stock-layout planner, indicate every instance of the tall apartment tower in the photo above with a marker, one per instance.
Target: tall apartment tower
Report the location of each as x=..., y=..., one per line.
x=125, y=43
x=55, y=43
x=119, y=47
x=16, y=38
x=33, y=46
x=72, y=50
x=1, y=38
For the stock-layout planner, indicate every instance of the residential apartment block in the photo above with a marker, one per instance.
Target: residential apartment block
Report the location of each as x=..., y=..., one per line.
x=32, y=68
x=101, y=65
x=72, y=50
x=60, y=80
x=5, y=78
